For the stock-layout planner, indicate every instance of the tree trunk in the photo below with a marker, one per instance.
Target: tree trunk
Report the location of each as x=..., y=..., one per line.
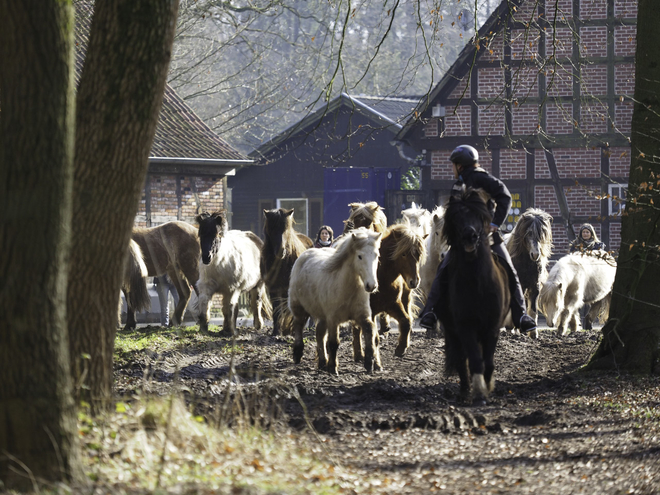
x=632, y=334
x=38, y=434
x=119, y=97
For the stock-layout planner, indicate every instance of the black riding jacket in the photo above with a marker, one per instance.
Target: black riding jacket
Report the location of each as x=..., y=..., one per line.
x=478, y=178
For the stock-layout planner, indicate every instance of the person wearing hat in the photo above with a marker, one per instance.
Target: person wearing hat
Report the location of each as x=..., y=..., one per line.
x=465, y=163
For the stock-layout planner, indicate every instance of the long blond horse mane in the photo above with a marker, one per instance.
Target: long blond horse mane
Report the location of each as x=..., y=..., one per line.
x=537, y=224
x=352, y=242
x=407, y=240
x=372, y=212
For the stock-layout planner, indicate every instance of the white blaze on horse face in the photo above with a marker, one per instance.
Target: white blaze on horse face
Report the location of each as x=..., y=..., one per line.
x=367, y=262
x=534, y=250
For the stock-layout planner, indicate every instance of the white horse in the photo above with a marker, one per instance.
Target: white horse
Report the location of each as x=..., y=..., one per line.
x=575, y=280
x=230, y=265
x=418, y=219
x=436, y=249
x=333, y=286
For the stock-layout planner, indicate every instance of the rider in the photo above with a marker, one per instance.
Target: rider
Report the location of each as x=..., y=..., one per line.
x=465, y=162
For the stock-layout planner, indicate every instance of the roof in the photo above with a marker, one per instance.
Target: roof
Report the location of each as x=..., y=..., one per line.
x=389, y=112
x=182, y=139
x=463, y=63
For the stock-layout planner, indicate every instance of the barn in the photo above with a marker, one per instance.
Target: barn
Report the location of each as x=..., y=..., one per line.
x=341, y=153
x=544, y=92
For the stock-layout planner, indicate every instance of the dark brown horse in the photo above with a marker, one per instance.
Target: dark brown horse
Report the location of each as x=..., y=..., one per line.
x=282, y=246
x=173, y=249
x=402, y=252
x=475, y=298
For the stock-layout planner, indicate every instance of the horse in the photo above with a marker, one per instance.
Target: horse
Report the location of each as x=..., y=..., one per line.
x=401, y=253
x=575, y=280
x=173, y=249
x=230, y=265
x=281, y=249
x=475, y=299
x=134, y=285
x=333, y=286
x=418, y=219
x=530, y=247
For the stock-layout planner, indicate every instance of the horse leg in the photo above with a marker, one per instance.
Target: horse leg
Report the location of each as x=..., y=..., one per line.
x=564, y=320
x=256, y=304
x=333, y=347
x=372, y=348
x=278, y=302
x=358, y=349
x=489, y=344
x=384, y=321
x=230, y=312
x=299, y=319
x=405, y=326
x=475, y=354
x=131, y=322
x=183, y=289
x=321, y=339
x=204, y=310
x=456, y=360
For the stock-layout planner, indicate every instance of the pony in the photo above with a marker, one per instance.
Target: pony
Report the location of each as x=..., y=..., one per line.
x=333, y=286
x=282, y=246
x=436, y=250
x=230, y=265
x=575, y=280
x=530, y=247
x=134, y=285
x=401, y=253
x=173, y=249
x=418, y=219
x=475, y=298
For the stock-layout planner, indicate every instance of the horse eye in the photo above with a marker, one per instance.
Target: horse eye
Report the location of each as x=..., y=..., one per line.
x=359, y=256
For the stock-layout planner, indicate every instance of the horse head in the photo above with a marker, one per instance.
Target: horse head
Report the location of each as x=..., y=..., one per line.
x=276, y=224
x=212, y=226
x=466, y=221
x=406, y=250
x=366, y=245
x=551, y=301
x=369, y=215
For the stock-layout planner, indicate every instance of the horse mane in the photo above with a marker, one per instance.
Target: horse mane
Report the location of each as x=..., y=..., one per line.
x=476, y=200
x=353, y=241
x=406, y=241
x=371, y=212
x=537, y=224
x=219, y=217
x=281, y=221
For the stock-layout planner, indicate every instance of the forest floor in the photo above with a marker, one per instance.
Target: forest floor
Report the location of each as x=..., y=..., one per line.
x=547, y=428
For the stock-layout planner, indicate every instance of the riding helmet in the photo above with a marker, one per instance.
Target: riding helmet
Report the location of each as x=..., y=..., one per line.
x=464, y=156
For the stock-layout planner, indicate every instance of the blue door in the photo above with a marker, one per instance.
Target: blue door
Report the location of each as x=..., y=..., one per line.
x=350, y=185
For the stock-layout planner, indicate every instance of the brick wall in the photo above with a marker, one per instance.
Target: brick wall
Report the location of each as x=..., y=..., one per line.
x=582, y=201
x=560, y=42
x=491, y=120
x=525, y=119
x=625, y=9
x=593, y=9
x=513, y=164
x=594, y=118
x=559, y=82
x=623, y=112
x=546, y=199
x=594, y=80
x=457, y=92
x=624, y=79
x=524, y=44
x=494, y=49
x=577, y=162
x=559, y=118
x=440, y=165
x=431, y=128
x=458, y=120
x=592, y=41
x=562, y=8
x=615, y=236
x=541, y=170
x=491, y=82
x=164, y=201
x=525, y=82
x=625, y=40
x=619, y=162
x=559, y=239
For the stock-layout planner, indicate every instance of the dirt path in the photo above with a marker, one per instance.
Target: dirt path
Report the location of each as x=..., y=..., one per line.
x=546, y=429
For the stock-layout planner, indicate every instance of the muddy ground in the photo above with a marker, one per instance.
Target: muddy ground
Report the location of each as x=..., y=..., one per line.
x=548, y=428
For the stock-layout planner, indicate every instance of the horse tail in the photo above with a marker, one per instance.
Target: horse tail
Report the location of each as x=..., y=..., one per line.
x=266, y=305
x=135, y=281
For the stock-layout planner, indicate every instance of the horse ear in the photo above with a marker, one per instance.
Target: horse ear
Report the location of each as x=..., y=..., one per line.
x=202, y=216
x=288, y=212
x=425, y=236
x=559, y=285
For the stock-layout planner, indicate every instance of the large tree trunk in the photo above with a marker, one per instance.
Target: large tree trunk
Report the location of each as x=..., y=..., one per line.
x=119, y=98
x=38, y=434
x=631, y=336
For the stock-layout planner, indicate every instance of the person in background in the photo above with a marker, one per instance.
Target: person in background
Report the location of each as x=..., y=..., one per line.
x=586, y=240
x=164, y=287
x=465, y=163
x=324, y=237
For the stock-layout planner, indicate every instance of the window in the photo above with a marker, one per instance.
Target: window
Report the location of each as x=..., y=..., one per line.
x=617, y=198
x=299, y=206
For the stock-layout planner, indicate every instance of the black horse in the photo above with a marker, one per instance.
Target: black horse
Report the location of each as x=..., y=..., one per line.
x=475, y=298
x=282, y=246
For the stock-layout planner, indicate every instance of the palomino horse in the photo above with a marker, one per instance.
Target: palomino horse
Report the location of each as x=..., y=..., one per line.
x=401, y=253
x=134, y=285
x=281, y=249
x=475, y=298
x=530, y=247
x=173, y=249
x=333, y=286
x=230, y=265
x=575, y=280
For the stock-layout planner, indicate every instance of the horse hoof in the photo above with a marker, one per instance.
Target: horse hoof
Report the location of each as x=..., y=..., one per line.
x=534, y=334
x=399, y=352
x=479, y=401
x=369, y=366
